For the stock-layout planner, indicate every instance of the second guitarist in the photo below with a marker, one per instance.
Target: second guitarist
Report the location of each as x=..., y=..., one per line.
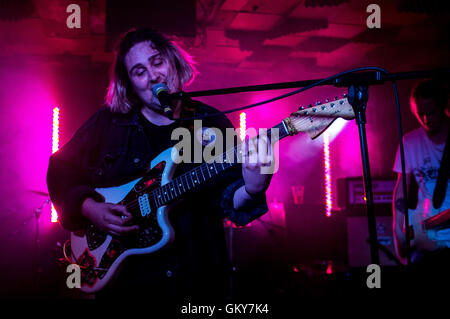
x=424, y=151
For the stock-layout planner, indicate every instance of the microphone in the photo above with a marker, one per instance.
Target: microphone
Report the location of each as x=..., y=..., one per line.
x=161, y=92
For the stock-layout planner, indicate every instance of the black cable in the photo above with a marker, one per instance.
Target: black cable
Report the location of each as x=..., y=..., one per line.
x=404, y=182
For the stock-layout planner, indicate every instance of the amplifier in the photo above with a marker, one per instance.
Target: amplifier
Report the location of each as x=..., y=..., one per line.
x=351, y=196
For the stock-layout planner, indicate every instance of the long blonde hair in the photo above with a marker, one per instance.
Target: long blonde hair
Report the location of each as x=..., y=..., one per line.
x=120, y=96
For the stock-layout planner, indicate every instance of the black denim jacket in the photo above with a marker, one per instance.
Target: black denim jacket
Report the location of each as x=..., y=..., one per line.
x=111, y=149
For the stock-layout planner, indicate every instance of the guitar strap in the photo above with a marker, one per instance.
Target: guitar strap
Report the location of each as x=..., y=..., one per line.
x=441, y=183
x=413, y=193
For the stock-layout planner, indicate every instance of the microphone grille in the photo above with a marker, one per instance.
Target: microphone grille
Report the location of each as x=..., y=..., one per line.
x=159, y=88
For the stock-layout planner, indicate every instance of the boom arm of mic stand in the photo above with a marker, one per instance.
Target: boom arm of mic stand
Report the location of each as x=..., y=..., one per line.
x=360, y=78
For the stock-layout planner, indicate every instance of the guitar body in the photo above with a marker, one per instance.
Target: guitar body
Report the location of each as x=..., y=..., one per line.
x=100, y=255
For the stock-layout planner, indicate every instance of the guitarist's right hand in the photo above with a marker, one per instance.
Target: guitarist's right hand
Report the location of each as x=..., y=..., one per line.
x=420, y=237
x=421, y=241
x=111, y=218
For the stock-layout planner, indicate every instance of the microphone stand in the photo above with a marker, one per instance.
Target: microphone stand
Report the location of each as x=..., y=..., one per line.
x=357, y=84
x=358, y=97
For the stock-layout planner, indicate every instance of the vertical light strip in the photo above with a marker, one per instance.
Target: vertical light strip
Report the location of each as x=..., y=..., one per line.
x=242, y=125
x=242, y=132
x=327, y=174
x=55, y=147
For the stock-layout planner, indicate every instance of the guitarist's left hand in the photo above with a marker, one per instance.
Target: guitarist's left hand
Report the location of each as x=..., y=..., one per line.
x=256, y=166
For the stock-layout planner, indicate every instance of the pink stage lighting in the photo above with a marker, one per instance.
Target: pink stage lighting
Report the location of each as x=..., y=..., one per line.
x=242, y=125
x=327, y=174
x=55, y=147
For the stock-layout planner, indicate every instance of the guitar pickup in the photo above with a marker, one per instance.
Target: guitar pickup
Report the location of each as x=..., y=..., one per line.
x=144, y=205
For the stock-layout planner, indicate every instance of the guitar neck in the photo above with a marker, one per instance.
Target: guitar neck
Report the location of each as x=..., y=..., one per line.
x=313, y=120
x=437, y=220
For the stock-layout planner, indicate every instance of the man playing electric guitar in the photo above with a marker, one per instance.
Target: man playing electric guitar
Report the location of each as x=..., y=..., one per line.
x=424, y=149
x=117, y=145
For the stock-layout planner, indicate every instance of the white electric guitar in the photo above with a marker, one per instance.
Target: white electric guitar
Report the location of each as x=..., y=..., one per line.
x=424, y=229
x=99, y=254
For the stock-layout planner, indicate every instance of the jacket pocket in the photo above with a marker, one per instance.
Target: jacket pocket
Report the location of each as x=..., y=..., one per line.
x=106, y=172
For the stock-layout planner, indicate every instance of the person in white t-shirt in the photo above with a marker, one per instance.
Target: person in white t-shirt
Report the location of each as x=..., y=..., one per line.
x=424, y=148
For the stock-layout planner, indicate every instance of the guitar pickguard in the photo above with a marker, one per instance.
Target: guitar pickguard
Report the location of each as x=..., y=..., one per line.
x=149, y=234
x=89, y=275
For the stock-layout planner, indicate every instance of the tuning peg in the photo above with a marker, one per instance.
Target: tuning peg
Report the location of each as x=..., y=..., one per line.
x=336, y=98
x=327, y=100
x=309, y=105
x=344, y=95
x=301, y=108
x=318, y=103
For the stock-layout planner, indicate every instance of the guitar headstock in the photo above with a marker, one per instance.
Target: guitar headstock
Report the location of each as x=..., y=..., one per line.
x=315, y=119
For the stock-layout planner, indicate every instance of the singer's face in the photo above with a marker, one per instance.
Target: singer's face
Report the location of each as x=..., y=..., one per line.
x=147, y=67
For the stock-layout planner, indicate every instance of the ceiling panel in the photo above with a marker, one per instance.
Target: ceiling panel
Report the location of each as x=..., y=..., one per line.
x=347, y=56
x=234, y=5
x=291, y=40
x=254, y=21
x=301, y=11
x=336, y=30
x=220, y=55
x=223, y=19
x=270, y=6
x=217, y=38
x=322, y=44
x=254, y=33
